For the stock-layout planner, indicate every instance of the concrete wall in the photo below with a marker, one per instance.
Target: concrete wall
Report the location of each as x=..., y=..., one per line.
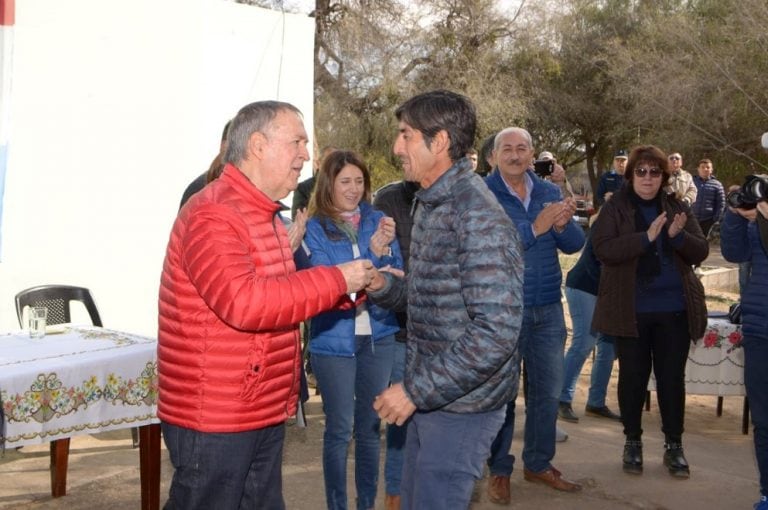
x=116, y=107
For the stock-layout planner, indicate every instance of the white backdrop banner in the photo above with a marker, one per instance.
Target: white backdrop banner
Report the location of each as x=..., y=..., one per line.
x=116, y=107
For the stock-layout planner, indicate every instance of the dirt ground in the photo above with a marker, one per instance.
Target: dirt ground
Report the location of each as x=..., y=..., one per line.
x=104, y=473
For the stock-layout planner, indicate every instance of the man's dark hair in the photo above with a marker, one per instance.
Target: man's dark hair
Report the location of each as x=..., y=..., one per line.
x=432, y=112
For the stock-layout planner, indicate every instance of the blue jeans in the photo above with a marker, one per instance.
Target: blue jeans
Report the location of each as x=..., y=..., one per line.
x=393, y=465
x=541, y=344
x=236, y=470
x=756, y=381
x=444, y=454
x=348, y=387
x=581, y=306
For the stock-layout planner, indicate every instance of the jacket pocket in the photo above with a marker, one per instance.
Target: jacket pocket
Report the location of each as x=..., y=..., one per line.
x=253, y=376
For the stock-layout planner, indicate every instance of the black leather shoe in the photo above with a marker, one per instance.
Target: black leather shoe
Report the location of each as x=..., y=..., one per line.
x=633, y=457
x=675, y=461
x=565, y=412
x=602, y=412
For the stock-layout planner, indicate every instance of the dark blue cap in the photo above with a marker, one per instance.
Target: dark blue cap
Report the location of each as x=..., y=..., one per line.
x=621, y=153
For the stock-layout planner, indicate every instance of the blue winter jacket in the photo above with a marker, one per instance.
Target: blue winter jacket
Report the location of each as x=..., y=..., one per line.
x=542, y=267
x=710, y=199
x=740, y=242
x=333, y=332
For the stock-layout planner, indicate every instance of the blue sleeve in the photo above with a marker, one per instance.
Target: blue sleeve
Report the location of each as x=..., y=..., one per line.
x=719, y=204
x=571, y=239
x=734, y=242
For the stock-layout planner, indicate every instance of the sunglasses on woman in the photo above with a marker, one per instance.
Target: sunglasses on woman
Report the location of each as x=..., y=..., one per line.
x=642, y=172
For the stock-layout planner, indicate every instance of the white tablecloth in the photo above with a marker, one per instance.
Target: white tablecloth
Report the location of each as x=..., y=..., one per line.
x=81, y=381
x=715, y=363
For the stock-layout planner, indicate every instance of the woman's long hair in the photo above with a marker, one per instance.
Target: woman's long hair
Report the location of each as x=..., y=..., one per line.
x=321, y=204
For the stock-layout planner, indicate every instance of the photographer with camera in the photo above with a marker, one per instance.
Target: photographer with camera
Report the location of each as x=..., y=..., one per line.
x=548, y=168
x=744, y=237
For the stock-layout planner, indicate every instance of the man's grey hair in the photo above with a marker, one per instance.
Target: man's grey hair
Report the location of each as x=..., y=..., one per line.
x=525, y=134
x=250, y=119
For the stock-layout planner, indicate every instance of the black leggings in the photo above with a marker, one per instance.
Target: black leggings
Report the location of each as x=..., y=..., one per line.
x=662, y=345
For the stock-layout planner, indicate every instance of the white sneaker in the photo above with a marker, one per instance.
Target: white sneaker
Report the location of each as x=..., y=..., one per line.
x=560, y=435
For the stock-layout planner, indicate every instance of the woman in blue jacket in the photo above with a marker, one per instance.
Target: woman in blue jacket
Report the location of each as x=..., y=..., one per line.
x=351, y=346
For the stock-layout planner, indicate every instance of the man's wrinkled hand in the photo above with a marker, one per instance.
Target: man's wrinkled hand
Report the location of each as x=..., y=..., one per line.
x=546, y=218
x=393, y=405
x=566, y=214
x=358, y=274
x=379, y=281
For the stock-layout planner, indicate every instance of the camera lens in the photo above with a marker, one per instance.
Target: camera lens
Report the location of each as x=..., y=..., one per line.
x=738, y=200
x=756, y=188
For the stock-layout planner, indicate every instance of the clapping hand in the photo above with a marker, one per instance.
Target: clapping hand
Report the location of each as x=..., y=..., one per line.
x=384, y=235
x=546, y=218
x=297, y=229
x=566, y=213
x=655, y=229
x=677, y=225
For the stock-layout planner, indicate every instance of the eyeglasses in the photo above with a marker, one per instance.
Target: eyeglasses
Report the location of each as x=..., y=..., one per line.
x=642, y=172
x=674, y=157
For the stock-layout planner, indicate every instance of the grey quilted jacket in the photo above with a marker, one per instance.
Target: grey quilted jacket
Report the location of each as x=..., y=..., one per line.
x=464, y=292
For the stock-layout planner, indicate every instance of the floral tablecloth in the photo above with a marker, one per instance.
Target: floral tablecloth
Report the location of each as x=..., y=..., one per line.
x=81, y=380
x=715, y=363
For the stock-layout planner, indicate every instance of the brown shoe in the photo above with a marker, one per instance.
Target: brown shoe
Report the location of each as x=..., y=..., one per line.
x=553, y=478
x=392, y=502
x=498, y=489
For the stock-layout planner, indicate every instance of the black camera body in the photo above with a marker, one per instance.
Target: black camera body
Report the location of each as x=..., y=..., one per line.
x=754, y=190
x=543, y=167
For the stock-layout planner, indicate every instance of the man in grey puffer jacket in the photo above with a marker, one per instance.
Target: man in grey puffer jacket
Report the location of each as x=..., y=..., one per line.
x=465, y=304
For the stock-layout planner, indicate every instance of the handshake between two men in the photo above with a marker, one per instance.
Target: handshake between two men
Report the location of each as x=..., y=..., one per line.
x=361, y=273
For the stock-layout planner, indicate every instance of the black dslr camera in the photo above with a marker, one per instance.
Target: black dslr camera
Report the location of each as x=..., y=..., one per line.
x=543, y=167
x=754, y=190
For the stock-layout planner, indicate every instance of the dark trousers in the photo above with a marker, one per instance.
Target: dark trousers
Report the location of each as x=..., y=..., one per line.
x=225, y=471
x=756, y=381
x=662, y=346
x=706, y=226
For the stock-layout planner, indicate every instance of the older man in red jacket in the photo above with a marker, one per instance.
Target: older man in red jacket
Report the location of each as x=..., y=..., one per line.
x=230, y=304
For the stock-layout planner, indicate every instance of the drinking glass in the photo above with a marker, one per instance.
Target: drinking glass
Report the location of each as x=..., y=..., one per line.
x=38, y=317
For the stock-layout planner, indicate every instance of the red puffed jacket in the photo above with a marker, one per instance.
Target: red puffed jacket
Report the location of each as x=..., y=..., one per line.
x=230, y=304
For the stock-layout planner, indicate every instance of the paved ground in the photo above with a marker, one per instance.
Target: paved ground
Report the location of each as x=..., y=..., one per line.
x=104, y=471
